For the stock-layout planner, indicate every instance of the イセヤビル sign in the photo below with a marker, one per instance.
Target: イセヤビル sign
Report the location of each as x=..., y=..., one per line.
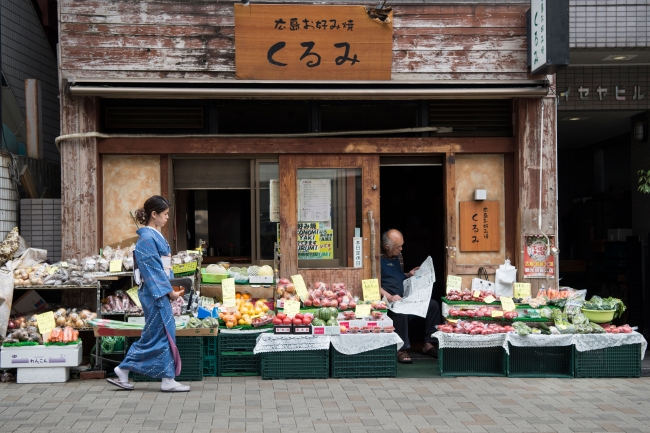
x=311, y=42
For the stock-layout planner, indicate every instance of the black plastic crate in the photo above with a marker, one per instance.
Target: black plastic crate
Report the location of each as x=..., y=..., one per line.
x=235, y=342
x=620, y=361
x=552, y=361
x=210, y=367
x=239, y=365
x=483, y=361
x=210, y=347
x=304, y=364
x=380, y=362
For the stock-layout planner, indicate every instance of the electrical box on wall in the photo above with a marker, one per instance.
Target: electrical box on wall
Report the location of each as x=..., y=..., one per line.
x=547, y=29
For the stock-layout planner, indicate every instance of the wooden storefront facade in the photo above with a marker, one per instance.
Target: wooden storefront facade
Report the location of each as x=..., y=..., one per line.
x=114, y=49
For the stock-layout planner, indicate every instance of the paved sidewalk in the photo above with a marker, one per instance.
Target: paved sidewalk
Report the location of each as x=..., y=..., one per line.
x=349, y=405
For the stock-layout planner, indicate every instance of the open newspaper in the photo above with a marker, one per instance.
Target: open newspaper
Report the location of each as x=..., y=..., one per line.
x=417, y=291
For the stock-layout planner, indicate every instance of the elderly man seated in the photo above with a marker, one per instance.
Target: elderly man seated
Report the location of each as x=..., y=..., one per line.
x=392, y=287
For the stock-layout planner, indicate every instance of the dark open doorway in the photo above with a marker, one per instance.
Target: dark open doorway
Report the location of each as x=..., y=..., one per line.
x=412, y=201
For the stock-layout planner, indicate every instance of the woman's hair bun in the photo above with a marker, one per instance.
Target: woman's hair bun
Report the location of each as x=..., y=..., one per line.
x=141, y=216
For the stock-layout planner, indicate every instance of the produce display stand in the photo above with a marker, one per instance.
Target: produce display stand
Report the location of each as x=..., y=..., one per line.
x=380, y=362
x=620, y=361
x=236, y=353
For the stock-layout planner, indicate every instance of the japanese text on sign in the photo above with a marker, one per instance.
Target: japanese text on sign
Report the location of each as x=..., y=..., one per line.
x=538, y=260
x=479, y=226
x=538, y=34
x=325, y=42
x=301, y=288
x=315, y=242
x=370, y=290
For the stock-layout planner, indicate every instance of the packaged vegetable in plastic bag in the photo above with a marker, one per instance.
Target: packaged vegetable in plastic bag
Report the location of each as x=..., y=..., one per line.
x=574, y=302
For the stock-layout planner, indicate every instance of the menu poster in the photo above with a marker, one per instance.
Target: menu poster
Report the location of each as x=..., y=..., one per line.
x=274, y=207
x=315, y=241
x=314, y=200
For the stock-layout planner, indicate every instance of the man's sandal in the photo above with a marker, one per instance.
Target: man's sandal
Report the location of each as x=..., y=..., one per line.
x=403, y=357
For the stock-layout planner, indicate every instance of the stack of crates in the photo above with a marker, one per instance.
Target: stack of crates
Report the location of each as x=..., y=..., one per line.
x=190, y=350
x=236, y=356
x=210, y=353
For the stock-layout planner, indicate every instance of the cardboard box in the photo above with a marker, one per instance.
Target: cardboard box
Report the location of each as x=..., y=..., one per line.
x=326, y=330
x=43, y=375
x=214, y=291
x=41, y=356
x=30, y=303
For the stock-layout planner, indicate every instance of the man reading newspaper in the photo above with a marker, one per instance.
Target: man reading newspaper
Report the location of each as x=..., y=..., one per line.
x=408, y=294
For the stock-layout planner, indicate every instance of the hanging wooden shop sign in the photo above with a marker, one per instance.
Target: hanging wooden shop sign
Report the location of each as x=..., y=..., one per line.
x=479, y=226
x=312, y=42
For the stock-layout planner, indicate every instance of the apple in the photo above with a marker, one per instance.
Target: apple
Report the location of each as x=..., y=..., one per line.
x=334, y=303
x=353, y=305
x=344, y=330
x=318, y=293
x=316, y=302
x=343, y=307
x=308, y=302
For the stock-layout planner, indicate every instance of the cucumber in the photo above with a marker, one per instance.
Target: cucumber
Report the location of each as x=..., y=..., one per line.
x=544, y=327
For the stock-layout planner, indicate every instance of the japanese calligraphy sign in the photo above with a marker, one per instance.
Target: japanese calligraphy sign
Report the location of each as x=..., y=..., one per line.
x=538, y=261
x=479, y=226
x=538, y=34
x=311, y=42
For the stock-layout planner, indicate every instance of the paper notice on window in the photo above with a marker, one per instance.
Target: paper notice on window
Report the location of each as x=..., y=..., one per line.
x=417, y=291
x=274, y=207
x=314, y=200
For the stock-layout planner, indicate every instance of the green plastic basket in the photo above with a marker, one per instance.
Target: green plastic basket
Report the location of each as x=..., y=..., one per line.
x=380, y=362
x=553, y=361
x=239, y=365
x=210, y=367
x=620, y=361
x=236, y=342
x=483, y=361
x=191, y=351
x=210, y=347
x=305, y=364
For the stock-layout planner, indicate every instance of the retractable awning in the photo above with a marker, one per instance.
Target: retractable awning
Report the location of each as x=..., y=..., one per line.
x=306, y=90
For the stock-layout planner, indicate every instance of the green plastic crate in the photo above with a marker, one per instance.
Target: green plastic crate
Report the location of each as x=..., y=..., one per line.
x=621, y=361
x=210, y=367
x=483, y=361
x=243, y=364
x=210, y=347
x=233, y=343
x=304, y=364
x=191, y=351
x=380, y=362
x=552, y=361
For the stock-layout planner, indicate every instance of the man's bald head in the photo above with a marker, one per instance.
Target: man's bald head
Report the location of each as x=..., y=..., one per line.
x=392, y=242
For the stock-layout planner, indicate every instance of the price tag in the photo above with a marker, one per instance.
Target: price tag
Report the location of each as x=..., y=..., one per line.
x=64, y=264
x=194, y=252
x=453, y=320
x=454, y=283
x=362, y=310
x=301, y=288
x=489, y=299
x=133, y=294
x=45, y=322
x=52, y=269
x=507, y=304
x=291, y=308
x=228, y=292
x=370, y=290
x=116, y=266
x=522, y=290
x=496, y=313
x=476, y=293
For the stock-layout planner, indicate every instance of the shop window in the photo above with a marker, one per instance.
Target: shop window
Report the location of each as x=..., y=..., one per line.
x=269, y=209
x=487, y=118
x=329, y=216
x=365, y=117
x=263, y=117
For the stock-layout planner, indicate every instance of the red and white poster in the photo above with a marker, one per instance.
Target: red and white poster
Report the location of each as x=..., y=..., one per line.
x=538, y=260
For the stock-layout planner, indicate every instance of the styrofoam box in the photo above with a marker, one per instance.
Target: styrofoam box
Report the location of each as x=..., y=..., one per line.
x=177, y=319
x=260, y=280
x=385, y=322
x=43, y=375
x=41, y=356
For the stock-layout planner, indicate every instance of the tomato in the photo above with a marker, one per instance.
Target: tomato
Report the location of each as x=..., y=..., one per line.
x=277, y=321
x=299, y=316
x=615, y=331
x=306, y=320
x=286, y=321
x=471, y=313
x=297, y=321
x=281, y=316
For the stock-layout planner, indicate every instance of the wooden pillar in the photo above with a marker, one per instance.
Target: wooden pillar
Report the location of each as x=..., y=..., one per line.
x=33, y=118
x=79, y=171
x=531, y=134
x=288, y=217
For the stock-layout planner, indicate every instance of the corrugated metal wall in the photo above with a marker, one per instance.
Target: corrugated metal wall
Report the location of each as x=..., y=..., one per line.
x=27, y=54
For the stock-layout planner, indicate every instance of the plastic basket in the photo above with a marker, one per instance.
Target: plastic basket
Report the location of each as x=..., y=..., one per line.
x=620, y=361
x=380, y=362
x=305, y=364
x=212, y=278
x=234, y=343
x=184, y=268
x=483, y=361
x=553, y=361
x=210, y=347
x=191, y=352
x=210, y=367
x=239, y=365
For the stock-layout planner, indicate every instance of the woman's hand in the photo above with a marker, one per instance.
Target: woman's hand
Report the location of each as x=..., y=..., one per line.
x=175, y=295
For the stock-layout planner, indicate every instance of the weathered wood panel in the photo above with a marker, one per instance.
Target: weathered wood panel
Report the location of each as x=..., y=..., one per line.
x=308, y=145
x=79, y=192
x=195, y=39
x=351, y=277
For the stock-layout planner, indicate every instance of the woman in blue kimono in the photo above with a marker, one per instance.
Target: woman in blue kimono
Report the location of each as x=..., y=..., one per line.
x=155, y=354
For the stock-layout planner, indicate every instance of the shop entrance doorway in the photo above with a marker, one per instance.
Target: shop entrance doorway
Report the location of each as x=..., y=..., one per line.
x=412, y=201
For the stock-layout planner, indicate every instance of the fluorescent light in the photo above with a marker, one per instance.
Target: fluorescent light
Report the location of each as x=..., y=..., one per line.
x=574, y=118
x=619, y=58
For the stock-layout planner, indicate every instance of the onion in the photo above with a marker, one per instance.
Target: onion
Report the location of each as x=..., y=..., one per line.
x=60, y=321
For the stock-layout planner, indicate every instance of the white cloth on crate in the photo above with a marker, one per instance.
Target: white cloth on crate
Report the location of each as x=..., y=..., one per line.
x=352, y=344
x=582, y=342
x=290, y=343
